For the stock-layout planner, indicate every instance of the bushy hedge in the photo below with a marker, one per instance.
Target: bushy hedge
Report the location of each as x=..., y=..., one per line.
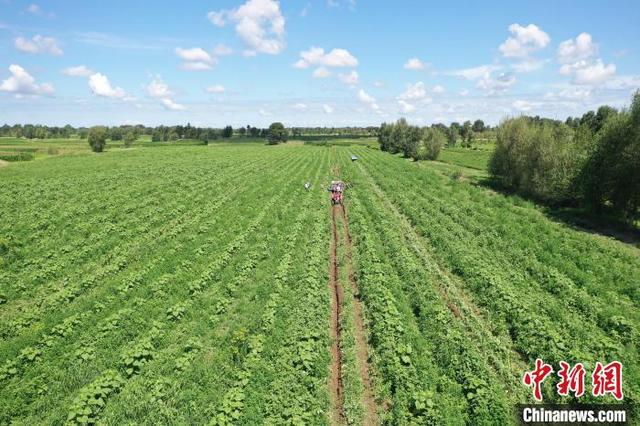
x=549, y=161
x=414, y=142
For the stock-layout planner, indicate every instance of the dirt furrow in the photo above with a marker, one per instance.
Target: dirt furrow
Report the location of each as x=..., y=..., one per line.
x=337, y=389
x=362, y=351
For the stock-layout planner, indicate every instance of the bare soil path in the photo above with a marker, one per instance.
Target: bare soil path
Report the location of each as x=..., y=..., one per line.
x=337, y=389
x=362, y=350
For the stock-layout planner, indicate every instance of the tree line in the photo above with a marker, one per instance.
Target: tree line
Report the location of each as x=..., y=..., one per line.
x=591, y=162
x=425, y=143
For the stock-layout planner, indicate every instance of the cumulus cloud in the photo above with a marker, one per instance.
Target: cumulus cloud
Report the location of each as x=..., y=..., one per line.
x=351, y=78
x=316, y=56
x=79, y=71
x=594, y=74
x=437, y=89
x=100, y=86
x=300, y=107
x=258, y=23
x=414, y=91
x=38, y=44
x=217, y=89
x=321, y=72
x=22, y=83
x=195, y=59
x=170, y=104
x=263, y=112
x=406, y=107
x=415, y=64
x=578, y=49
x=523, y=41
x=158, y=89
x=365, y=97
x=328, y=109
x=577, y=59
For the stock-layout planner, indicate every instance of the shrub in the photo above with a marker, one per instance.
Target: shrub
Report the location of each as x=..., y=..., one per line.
x=612, y=172
x=97, y=138
x=537, y=159
x=430, y=144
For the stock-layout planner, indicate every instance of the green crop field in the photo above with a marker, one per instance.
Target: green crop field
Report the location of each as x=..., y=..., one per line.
x=205, y=285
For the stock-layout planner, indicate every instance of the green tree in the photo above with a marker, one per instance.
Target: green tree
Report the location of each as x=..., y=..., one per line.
x=97, y=138
x=431, y=142
x=129, y=138
x=612, y=172
x=478, y=126
x=277, y=133
x=227, y=132
x=453, y=134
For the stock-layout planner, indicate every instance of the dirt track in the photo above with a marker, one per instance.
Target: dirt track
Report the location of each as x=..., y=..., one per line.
x=337, y=390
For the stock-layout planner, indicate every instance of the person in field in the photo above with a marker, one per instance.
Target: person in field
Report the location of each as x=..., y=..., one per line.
x=307, y=185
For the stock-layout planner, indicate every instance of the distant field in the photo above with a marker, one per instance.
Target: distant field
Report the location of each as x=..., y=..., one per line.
x=204, y=284
x=475, y=158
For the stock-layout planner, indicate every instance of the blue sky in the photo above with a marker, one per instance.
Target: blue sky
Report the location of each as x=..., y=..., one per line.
x=324, y=62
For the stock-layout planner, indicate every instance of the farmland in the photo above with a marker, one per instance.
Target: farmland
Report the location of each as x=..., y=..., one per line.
x=204, y=285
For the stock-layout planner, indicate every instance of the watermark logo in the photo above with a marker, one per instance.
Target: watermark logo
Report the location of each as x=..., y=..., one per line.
x=605, y=379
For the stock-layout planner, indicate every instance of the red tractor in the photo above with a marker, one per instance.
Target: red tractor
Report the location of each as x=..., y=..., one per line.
x=336, y=189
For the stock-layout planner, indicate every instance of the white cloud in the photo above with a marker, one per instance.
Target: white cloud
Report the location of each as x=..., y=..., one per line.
x=263, y=112
x=378, y=84
x=573, y=94
x=571, y=51
x=194, y=54
x=328, y=109
x=497, y=85
x=258, y=23
x=464, y=92
x=38, y=44
x=365, y=97
x=594, y=74
x=523, y=41
x=316, y=56
x=217, y=89
x=415, y=64
x=414, y=91
x=222, y=50
x=170, y=104
x=300, y=107
x=217, y=18
x=195, y=66
x=22, y=83
x=321, y=72
x=524, y=106
x=351, y=78
x=406, y=107
x=158, y=89
x=482, y=71
x=79, y=71
x=577, y=57
x=438, y=89
x=100, y=86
